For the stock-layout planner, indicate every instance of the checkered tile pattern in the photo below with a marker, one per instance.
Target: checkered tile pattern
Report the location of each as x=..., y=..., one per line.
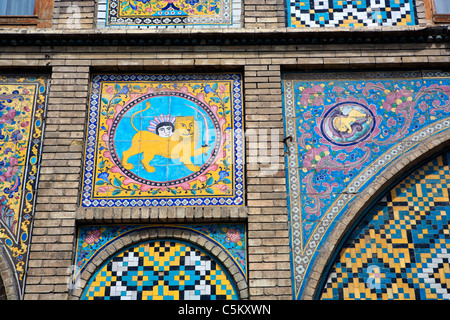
x=350, y=13
x=161, y=270
x=401, y=249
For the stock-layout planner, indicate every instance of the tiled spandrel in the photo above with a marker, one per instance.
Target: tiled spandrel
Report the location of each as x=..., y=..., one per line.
x=23, y=102
x=346, y=129
x=165, y=140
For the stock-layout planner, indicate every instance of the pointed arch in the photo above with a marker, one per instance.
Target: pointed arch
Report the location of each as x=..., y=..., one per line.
x=394, y=172
x=8, y=285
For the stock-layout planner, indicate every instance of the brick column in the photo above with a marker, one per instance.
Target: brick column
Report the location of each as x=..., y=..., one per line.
x=268, y=231
x=52, y=244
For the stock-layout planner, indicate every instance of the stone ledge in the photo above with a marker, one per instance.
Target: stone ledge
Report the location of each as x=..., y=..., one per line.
x=160, y=214
x=241, y=36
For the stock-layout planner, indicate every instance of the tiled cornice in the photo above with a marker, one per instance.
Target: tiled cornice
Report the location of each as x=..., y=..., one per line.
x=222, y=37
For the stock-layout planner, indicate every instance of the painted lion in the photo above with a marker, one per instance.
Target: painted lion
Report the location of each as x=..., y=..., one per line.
x=180, y=145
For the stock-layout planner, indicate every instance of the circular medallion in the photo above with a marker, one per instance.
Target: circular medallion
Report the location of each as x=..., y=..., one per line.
x=164, y=139
x=347, y=123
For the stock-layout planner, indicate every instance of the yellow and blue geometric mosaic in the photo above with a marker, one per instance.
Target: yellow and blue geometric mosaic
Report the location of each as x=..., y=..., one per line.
x=401, y=248
x=230, y=238
x=161, y=270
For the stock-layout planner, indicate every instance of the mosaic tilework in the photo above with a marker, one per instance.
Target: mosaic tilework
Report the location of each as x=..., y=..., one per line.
x=161, y=270
x=230, y=237
x=164, y=140
x=346, y=128
x=401, y=248
x=23, y=102
x=169, y=13
x=350, y=13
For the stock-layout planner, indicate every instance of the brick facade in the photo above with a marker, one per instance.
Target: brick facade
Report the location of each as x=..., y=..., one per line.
x=70, y=66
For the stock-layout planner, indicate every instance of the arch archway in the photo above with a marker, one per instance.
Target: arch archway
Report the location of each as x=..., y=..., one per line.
x=399, y=233
x=8, y=284
x=176, y=241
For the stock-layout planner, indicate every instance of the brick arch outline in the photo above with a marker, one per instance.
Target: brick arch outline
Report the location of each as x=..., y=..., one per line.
x=156, y=233
x=396, y=170
x=8, y=278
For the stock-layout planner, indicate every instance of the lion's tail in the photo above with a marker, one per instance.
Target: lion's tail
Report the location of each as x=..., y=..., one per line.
x=132, y=117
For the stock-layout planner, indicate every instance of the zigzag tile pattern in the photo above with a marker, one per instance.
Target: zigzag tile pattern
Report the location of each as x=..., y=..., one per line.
x=401, y=248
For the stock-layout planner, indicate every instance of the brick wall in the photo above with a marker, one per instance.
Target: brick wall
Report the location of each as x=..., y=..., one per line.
x=264, y=14
x=57, y=210
x=74, y=14
x=54, y=223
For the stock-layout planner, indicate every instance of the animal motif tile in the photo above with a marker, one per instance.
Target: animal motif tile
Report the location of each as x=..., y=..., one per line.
x=23, y=103
x=350, y=13
x=345, y=129
x=170, y=13
x=400, y=250
x=164, y=140
x=161, y=270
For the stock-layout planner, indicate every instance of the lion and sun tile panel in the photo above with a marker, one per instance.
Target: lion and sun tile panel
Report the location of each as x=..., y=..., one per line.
x=401, y=248
x=164, y=140
x=23, y=103
x=169, y=13
x=346, y=128
x=350, y=13
x=163, y=269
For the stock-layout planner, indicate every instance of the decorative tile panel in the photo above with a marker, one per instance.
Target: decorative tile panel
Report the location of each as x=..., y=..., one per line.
x=350, y=13
x=401, y=248
x=189, y=273
x=169, y=13
x=230, y=237
x=164, y=140
x=161, y=270
x=346, y=128
x=23, y=103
